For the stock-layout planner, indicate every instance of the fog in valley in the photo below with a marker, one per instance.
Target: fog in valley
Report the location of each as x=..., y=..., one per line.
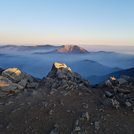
x=38, y=61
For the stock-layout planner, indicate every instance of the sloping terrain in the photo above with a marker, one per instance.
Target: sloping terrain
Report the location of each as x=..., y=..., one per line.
x=89, y=68
x=64, y=103
x=128, y=72
x=97, y=79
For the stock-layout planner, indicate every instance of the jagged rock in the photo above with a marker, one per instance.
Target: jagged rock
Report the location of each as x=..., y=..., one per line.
x=115, y=103
x=112, y=81
x=51, y=112
x=32, y=85
x=97, y=125
x=107, y=102
x=108, y=94
x=13, y=80
x=62, y=77
x=128, y=104
x=61, y=102
x=20, y=87
x=7, y=85
x=53, y=91
x=108, y=83
x=29, y=78
x=76, y=122
x=121, y=90
x=2, y=94
x=85, y=116
x=1, y=70
x=9, y=102
x=23, y=83
x=60, y=74
x=4, y=81
x=13, y=74
x=122, y=81
x=85, y=105
x=55, y=131
x=35, y=93
x=77, y=128
x=59, y=70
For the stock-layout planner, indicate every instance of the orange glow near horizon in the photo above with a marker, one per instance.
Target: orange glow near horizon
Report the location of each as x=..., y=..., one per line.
x=36, y=39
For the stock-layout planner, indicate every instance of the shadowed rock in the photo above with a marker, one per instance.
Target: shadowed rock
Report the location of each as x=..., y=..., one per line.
x=1, y=70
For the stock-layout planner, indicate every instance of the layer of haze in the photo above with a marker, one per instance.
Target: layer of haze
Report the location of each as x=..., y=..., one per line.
x=67, y=21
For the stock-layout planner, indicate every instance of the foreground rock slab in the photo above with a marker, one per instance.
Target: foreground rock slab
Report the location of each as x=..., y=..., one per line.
x=13, y=80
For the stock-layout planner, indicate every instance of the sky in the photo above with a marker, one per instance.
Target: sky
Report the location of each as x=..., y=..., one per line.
x=99, y=22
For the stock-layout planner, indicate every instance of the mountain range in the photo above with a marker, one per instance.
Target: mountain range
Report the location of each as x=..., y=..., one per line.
x=36, y=60
x=26, y=49
x=95, y=79
x=89, y=67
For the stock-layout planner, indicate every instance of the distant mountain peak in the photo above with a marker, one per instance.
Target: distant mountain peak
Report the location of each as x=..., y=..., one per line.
x=71, y=49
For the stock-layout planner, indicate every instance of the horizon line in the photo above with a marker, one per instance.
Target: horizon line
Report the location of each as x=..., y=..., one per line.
x=58, y=44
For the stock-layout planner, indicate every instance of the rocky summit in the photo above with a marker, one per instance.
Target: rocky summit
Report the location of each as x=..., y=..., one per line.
x=71, y=49
x=61, y=76
x=64, y=103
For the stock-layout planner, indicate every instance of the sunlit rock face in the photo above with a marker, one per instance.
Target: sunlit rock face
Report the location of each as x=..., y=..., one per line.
x=13, y=80
x=7, y=85
x=60, y=71
x=59, y=65
x=71, y=49
x=4, y=82
x=112, y=78
x=13, y=74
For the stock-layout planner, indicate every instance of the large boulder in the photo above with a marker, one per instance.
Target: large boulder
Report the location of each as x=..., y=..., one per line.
x=122, y=81
x=59, y=70
x=13, y=74
x=19, y=77
x=13, y=80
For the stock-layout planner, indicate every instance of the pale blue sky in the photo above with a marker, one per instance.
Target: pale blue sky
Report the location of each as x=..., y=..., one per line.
x=67, y=21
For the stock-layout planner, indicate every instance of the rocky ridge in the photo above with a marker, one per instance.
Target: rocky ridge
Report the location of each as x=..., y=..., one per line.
x=65, y=103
